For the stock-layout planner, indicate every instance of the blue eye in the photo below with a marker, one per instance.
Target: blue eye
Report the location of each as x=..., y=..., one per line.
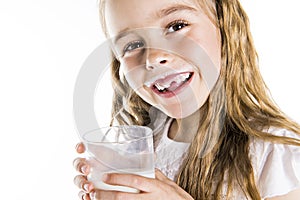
x=176, y=26
x=133, y=45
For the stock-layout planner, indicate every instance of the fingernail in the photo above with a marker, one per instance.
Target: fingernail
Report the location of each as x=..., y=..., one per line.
x=92, y=195
x=81, y=195
x=104, y=177
x=86, y=187
x=84, y=169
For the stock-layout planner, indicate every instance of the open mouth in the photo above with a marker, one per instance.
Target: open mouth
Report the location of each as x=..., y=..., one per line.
x=172, y=83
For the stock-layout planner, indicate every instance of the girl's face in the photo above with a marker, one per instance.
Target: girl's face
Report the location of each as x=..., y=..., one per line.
x=169, y=51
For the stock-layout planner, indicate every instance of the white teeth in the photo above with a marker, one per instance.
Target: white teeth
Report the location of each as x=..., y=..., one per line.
x=186, y=76
x=178, y=79
x=159, y=87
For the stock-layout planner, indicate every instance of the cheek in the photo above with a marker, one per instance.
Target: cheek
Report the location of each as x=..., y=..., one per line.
x=132, y=64
x=129, y=64
x=133, y=73
x=211, y=45
x=209, y=40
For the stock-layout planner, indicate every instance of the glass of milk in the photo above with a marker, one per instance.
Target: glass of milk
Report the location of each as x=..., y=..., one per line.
x=119, y=149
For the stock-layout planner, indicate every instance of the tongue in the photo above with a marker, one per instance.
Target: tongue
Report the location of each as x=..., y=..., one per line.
x=174, y=85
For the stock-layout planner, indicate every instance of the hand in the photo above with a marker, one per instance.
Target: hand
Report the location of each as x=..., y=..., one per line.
x=151, y=189
x=83, y=168
x=159, y=188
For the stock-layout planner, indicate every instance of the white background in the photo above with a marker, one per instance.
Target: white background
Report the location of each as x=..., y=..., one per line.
x=42, y=46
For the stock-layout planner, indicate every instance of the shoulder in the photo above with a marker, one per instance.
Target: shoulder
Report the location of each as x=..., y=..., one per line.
x=276, y=166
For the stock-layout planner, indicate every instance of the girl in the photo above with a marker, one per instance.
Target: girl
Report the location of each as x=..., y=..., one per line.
x=195, y=62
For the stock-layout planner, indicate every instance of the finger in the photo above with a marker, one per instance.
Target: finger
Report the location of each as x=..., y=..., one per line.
x=112, y=195
x=81, y=166
x=80, y=148
x=83, y=196
x=82, y=182
x=160, y=176
x=86, y=197
x=163, y=178
x=131, y=180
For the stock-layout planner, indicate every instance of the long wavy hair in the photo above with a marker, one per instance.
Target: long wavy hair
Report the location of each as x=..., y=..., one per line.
x=239, y=107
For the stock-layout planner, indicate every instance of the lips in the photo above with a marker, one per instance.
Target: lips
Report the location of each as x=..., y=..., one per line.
x=170, y=85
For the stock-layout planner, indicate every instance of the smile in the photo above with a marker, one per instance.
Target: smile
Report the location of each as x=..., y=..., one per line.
x=171, y=85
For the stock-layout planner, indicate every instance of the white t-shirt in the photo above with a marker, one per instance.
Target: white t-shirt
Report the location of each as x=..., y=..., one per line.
x=276, y=166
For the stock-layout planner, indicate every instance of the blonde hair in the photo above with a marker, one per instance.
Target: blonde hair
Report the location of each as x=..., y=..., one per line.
x=239, y=107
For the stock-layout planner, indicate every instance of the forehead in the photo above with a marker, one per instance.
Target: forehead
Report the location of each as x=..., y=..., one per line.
x=130, y=14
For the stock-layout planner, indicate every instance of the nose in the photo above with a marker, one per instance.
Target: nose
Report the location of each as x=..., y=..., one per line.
x=157, y=58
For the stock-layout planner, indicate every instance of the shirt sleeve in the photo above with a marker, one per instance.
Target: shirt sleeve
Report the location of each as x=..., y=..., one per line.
x=276, y=166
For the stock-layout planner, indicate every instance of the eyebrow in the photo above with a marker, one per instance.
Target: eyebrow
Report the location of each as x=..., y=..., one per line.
x=160, y=14
x=173, y=9
x=122, y=33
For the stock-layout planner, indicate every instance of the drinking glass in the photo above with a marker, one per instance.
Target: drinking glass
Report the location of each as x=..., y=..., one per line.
x=119, y=149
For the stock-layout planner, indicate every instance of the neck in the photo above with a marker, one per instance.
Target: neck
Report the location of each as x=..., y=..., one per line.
x=184, y=130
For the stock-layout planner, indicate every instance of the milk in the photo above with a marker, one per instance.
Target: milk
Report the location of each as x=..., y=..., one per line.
x=120, y=149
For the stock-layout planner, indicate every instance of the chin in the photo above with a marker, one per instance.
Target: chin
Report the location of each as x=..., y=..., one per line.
x=178, y=113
